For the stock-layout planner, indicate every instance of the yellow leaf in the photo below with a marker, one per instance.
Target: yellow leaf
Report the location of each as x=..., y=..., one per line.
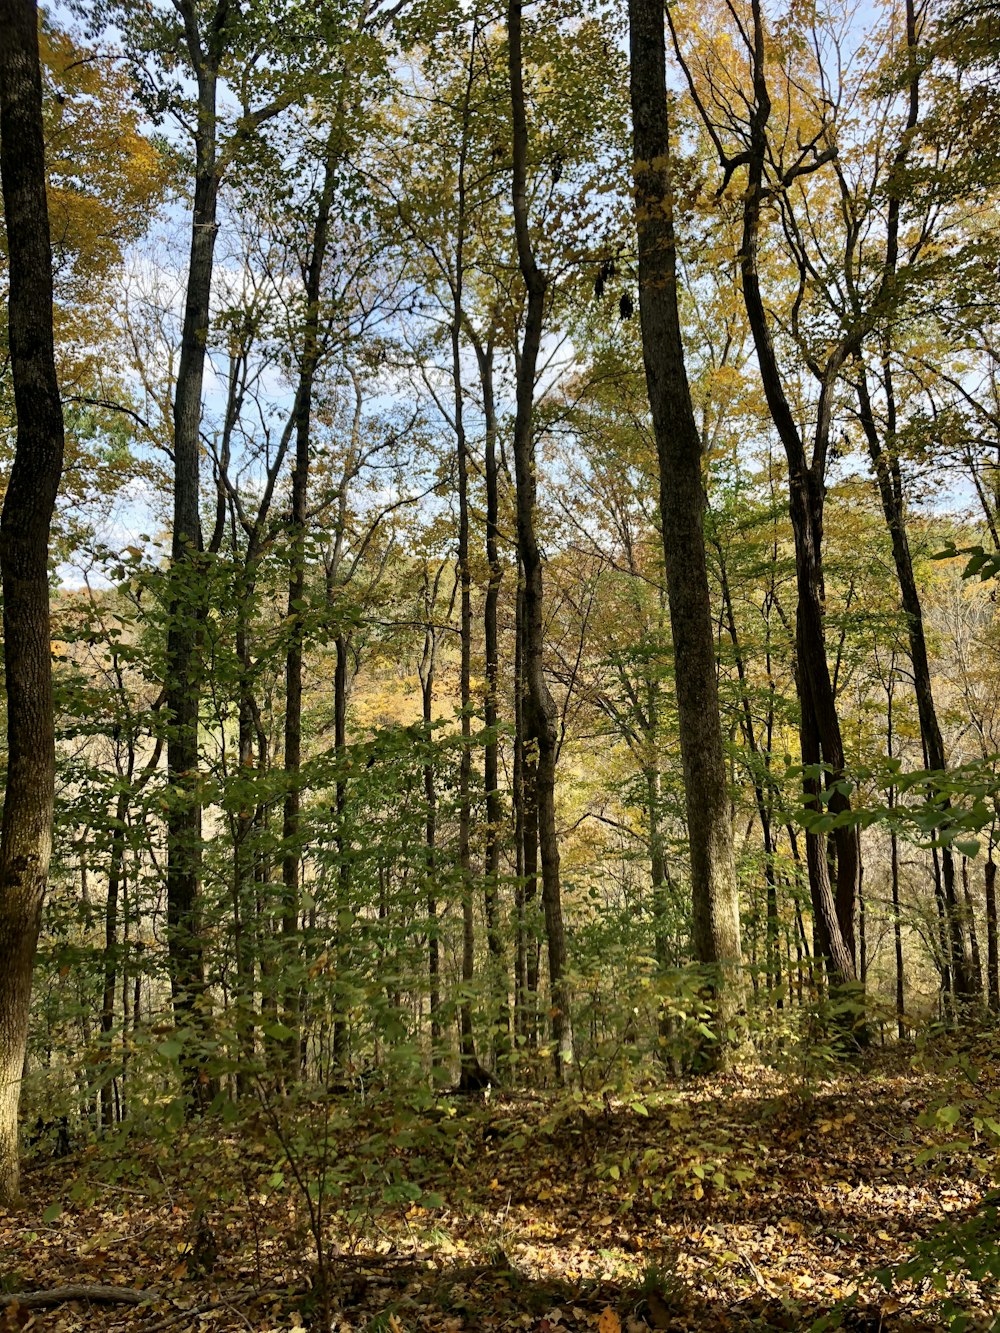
x=609, y=1321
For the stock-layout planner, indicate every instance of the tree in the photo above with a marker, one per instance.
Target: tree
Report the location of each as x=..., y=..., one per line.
x=538, y=707
x=770, y=174
x=715, y=897
x=26, y=833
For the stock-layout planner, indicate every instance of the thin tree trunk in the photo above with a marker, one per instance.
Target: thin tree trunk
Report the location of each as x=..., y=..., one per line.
x=970, y=921
x=343, y=841
x=491, y=749
x=890, y=485
x=187, y=593
x=897, y=923
x=539, y=707
x=26, y=834
x=426, y=672
x=520, y=801
x=472, y=1075
x=115, y=871
x=291, y=860
x=992, y=953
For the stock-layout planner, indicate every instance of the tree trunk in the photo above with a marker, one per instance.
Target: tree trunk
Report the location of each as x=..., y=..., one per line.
x=26, y=834
x=821, y=740
x=472, y=1074
x=539, y=707
x=890, y=485
x=115, y=872
x=992, y=955
x=491, y=750
x=716, y=930
x=291, y=859
x=187, y=592
x=426, y=673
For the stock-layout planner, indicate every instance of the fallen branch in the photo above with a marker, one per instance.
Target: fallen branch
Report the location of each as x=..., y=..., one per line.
x=36, y=1300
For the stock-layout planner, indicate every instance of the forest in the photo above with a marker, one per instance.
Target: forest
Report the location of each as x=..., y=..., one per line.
x=501, y=696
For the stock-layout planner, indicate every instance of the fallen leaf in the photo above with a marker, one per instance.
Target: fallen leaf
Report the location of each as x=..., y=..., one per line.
x=609, y=1321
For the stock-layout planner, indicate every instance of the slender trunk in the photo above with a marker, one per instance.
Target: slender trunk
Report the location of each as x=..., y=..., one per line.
x=430, y=837
x=539, y=707
x=187, y=592
x=471, y=1072
x=520, y=796
x=716, y=924
x=885, y=464
x=945, y=941
x=491, y=749
x=26, y=834
x=115, y=871
x=426, y=673
x=343, y=841
x=992, y=953
x=970, y=920
x=243, y=877
x=897, y=922
x=291, y=861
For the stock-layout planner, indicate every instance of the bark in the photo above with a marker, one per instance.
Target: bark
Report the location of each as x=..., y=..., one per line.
x=540, y=728
x=340, y=690
x=115, y=874
x=970, y=921
x=184, y=839
x=426, y=671
x=897, y=922
x=26, y=833
x=491, y=749
x=716, y=924
x=992, y=953
x=471, y=1071
x=291, y=860
x=520, y=798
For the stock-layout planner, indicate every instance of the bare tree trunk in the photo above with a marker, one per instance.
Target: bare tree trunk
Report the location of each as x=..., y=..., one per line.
x=426, y=671
x=26, y=834
x=187, y=593
x=291, y=860
x=970, y=921
x=715, y=901
x=115, y=871
x=521, y=797
x=890, y=484
x=472, y=1075
x=343, y=842
x=539, y=707
x=992, y=956
x=491, y=750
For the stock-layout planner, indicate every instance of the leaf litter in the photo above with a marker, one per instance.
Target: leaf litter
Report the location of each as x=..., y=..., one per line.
x=737, y=1202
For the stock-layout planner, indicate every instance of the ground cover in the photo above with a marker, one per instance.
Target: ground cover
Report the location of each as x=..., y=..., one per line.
x=736, y=1202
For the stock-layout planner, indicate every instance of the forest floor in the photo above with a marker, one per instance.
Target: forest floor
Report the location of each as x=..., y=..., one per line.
x=741, y=1202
